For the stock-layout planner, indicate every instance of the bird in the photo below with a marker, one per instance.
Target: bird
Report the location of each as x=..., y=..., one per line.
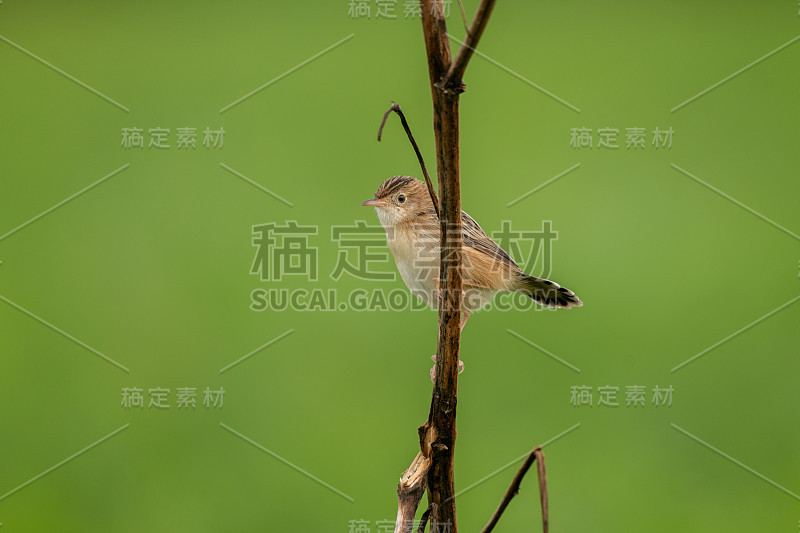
x=407, y=214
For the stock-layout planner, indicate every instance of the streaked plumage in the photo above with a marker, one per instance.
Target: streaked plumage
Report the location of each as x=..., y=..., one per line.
x=406, y=212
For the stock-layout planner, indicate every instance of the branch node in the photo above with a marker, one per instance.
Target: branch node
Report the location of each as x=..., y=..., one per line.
x=425, y=438
x=451, y=89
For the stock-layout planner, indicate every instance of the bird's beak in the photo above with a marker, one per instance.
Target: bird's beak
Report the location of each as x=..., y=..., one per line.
x=374, y=202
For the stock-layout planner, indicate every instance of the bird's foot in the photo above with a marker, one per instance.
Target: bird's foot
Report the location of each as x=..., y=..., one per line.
x=433, y=368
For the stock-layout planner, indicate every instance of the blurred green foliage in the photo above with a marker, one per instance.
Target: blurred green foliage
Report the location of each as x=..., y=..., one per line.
x=152, y=267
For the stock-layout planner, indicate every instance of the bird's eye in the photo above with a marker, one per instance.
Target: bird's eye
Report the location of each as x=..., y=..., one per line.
x=401, y=198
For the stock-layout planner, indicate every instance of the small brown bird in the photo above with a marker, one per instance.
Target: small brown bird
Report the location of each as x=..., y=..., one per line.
x=405, y=210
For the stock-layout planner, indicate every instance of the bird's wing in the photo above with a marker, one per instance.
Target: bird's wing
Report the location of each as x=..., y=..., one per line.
x=483, y=258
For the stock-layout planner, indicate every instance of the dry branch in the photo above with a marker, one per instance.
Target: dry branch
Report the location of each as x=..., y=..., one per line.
x=409, y=493
x=442, y=416
x=536, y=455
x=438, y=434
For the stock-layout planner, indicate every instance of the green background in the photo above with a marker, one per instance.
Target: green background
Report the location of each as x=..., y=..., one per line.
x=152, y=267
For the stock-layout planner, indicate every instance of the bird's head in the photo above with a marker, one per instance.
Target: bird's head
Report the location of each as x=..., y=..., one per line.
x=400, y=199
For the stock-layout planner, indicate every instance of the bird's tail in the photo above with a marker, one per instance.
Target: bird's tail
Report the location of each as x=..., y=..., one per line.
x=546, y=292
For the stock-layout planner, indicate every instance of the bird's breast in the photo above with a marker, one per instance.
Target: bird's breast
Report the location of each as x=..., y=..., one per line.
x=416, y=254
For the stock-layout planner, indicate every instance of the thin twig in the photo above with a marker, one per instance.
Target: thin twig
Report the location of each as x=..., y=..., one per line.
x=542, y=488
x=454, y=77
x=463, y=16
x=396, y=109
x=424, y=520
x=535, y=455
